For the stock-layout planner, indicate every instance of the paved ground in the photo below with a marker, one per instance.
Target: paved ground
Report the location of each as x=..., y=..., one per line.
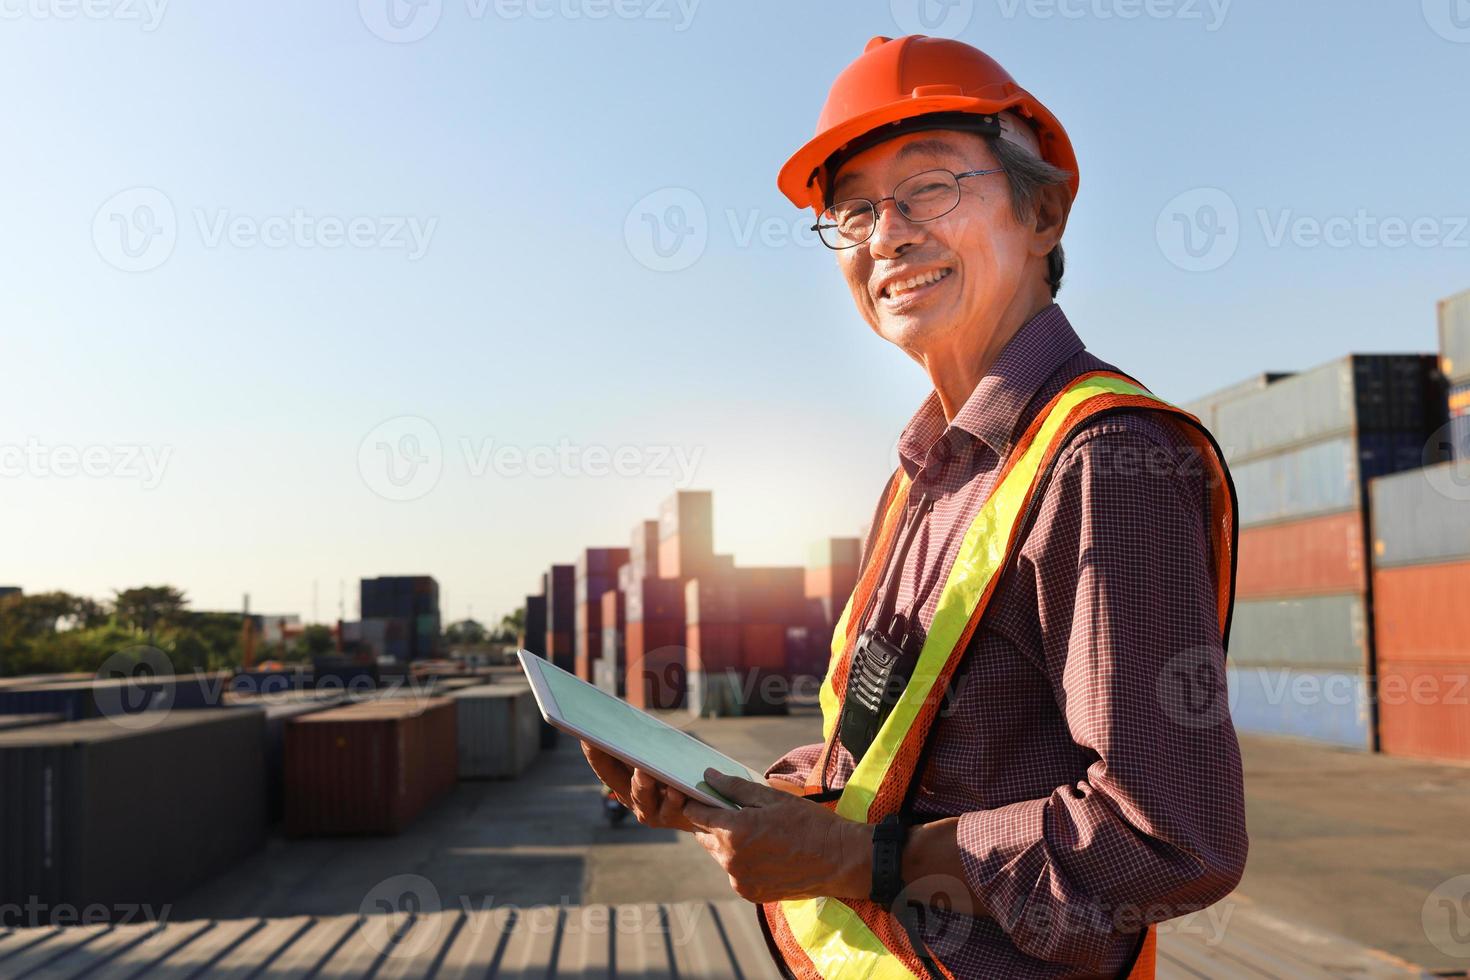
x=1343, y=846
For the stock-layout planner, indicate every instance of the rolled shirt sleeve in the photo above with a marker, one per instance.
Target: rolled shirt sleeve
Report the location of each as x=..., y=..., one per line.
x=1131, y=648
x=796, y=765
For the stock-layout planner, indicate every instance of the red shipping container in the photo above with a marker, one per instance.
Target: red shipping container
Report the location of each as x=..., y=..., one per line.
x=771, y=595
x=712, y=646
x=589, y=636
x=763, y=646
x=1422, y=613
x=368, y=768
x=1318, y=556
x=1424, y=710
x=711, y=598
x=657, y=666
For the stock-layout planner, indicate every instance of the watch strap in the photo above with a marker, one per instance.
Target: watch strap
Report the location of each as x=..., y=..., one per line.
x=888, y=840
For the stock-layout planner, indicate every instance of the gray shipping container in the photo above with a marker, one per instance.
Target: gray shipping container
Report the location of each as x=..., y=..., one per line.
x=1313, y=633
x=1203, y=408
x=92, y=812
x=12, y=722
x=1418, y=518
x=1317, y=479
x=1454, y=336
x=499, y=730
x=1356, y=393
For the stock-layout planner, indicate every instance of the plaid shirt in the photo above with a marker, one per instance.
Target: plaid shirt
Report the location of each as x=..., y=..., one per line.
x=1096, y=789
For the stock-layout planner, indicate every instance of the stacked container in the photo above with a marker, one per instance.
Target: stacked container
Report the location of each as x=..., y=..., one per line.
x=98, y=816
x=773, y=612
x=408, y=608
x=368, y=768
x=686, y=542
x=610, y=671
x=712, y=636
x=1301, y=451
x=1454, y=356
x=1204, y=408
x=499, y=730
x=656, y=673
x=78, y=700
x=278, y=708
x=597, y=571
x=533, y=630
x=1421, y=584
x=561, y=617
x=643, y=550
x=831, y=575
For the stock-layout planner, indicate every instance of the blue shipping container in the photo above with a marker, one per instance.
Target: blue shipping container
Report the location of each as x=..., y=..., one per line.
x=1324, y=706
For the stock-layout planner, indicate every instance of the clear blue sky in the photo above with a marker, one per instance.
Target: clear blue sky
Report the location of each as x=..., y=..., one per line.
x=519, y=138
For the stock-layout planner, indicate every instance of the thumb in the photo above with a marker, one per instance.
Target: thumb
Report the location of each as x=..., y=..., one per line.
x=742, y=791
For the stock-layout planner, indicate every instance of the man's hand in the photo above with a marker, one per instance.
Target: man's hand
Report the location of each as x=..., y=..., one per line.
x=653, y=803
x=780, y=846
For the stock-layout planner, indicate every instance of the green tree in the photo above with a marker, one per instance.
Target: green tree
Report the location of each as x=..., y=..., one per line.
x=149, y=607
x=511, y=625
x=466, y=632
x=317, y=640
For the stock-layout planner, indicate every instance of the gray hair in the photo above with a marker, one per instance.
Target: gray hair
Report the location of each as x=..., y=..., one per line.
x=1027, y=175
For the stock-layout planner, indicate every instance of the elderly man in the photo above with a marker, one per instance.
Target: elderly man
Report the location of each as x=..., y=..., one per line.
x=1027, y=758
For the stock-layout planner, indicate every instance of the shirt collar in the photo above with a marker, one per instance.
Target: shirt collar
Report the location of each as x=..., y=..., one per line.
x=993, y=411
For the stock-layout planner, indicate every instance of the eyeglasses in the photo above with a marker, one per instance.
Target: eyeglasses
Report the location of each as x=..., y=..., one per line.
x=922, y=197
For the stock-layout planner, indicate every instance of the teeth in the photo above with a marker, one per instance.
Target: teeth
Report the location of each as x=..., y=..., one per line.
x=899, y=288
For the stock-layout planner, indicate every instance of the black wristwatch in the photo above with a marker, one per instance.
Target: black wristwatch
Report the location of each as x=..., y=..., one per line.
x=888, y=838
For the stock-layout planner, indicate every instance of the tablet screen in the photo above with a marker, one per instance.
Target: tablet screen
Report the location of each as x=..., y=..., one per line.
x=641, y=737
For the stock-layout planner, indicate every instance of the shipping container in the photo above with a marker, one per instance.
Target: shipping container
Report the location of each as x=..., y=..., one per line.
x=278, y=709
x=763, y=646
x=533, y=630
x=686, y=534
x=614, y=646
x=117, y=696
x=93, y=813
x=1203, y=408
x=499, y=729
x=831, y=575
x=559, y=650
x=1356, y=394
x=655, y=600
x=561, y=599
x=1421, y=613
x=336, y=674
x=1459, y=427
x=713, y=646
x=1317, y=479
x=368, y=768
x=1328, y=632
x=771, y=595
x=1454, y=336
x=12, y=722
x=711, y=599
x=1325, y=706
x=1422, y=515
x=657, y=673
x=643, y=550
x=1424, y=709
x=1307, y=557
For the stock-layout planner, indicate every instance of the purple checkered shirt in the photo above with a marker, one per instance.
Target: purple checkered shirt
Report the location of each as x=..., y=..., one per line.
x=1094, y=795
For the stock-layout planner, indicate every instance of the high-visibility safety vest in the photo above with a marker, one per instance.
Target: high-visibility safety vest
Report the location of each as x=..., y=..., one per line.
x=857, y=939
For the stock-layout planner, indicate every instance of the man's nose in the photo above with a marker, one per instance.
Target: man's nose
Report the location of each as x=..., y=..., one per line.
x=892, y=233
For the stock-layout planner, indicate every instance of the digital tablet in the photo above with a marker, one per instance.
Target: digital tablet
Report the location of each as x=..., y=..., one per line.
x=675, y=758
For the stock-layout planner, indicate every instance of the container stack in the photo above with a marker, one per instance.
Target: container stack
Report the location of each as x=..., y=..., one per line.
x=1454, y=348
x=772, y=605
x=686, y=541
x=1421, y=583
x=597, y=571
x=1301, y=451
x=533, y=630
x=368, y=768
x=101, y=817
x=561, y=617
x=611, y=669
x=406, y=609
x=643, y=550
x=499, y=730
x=831, y=575
x=656, y=665
x=712, y=636
x=1204, y=408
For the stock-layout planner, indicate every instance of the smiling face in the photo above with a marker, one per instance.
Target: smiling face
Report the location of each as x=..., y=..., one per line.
x=953, y=283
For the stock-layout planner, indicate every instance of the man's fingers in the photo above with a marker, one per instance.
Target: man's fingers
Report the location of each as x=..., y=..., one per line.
x=741, y=791
x=705, y=817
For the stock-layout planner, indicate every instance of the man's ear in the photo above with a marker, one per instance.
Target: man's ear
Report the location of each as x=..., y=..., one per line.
x=1053, y=205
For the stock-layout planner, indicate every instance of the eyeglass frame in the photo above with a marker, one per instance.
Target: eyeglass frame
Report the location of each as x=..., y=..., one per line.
x=877, y=205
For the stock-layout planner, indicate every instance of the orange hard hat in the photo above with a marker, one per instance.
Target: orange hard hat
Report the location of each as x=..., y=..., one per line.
x=896, y=81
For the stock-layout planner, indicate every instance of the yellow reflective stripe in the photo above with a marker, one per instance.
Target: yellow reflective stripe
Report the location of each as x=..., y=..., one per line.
x=979, y=558
x=839, y=943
